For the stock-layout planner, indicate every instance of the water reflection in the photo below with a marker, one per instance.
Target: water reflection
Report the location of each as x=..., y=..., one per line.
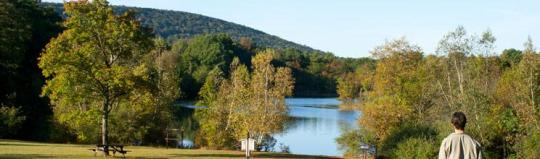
x=312, y=129
x=314, y=125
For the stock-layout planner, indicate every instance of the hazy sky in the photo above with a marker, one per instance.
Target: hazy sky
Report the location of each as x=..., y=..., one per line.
x=351, y=28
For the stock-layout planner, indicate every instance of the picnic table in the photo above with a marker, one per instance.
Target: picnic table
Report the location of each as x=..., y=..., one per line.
x=111, y=148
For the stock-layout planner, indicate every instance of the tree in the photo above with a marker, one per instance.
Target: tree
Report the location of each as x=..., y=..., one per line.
x=266, y=111
x=26, y=27
x=200, y=55
x=149, y=110
x=348, y=89
x=222, y=98
x=520, y=121
x=510, y=57
x=245, y=104
x=456, y=46
x=396, y=86
x=353, y=87
x=95, y=64
x=14, y=34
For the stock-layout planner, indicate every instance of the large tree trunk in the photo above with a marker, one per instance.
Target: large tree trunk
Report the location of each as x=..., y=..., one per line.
x=104, y=128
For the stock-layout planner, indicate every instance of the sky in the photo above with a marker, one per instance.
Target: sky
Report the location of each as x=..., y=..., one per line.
x=352, y=28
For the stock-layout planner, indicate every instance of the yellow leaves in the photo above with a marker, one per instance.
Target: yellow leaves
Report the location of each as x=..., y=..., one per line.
x=353, y=87
x=393, y=90
x=383, y=114
x=397, y=71
x=284, y=81
x=269, y=88
x=246, y=102
x=262, y=60
x=142, y=71
x=348, y=88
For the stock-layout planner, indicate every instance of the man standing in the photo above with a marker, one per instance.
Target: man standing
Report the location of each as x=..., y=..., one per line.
x=459, y=145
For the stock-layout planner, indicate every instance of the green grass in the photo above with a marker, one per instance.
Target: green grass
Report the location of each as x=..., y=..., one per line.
x=24, y=149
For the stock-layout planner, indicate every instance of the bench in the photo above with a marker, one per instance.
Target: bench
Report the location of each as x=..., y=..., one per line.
x=112, y=148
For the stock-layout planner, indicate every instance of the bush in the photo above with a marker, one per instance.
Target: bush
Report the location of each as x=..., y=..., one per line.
x=416, y=148
x=529, y=146
x=351, y=140
x=284, y=148
x=10, y=120
x=405, y=132
x=267, y=144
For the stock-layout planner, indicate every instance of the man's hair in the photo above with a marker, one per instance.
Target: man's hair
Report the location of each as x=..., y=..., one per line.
x=459, y=120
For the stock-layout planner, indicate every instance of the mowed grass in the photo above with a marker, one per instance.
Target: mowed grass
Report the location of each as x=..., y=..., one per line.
x=23, y=149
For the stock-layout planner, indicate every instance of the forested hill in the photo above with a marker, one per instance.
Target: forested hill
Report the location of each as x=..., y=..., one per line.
x=172, y=25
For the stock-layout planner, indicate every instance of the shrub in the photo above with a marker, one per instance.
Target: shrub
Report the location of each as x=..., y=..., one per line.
x=284, y=148
x=351, y=140
x=529, y=146
x=267, y=143
x=401, y=135
x=415, y=148
x=10, y=120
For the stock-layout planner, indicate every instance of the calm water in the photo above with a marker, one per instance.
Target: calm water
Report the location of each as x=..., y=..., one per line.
x=315, y=124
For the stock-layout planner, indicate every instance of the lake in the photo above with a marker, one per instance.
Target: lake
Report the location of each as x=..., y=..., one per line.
x=315, y=124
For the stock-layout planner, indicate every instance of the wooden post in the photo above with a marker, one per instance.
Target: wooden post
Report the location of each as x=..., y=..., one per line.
x=365, y=154
x=247, y=146
x=167, y=139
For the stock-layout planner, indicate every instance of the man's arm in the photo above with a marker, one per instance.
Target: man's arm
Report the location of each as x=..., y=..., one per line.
x=479, y=149
x=442, y=150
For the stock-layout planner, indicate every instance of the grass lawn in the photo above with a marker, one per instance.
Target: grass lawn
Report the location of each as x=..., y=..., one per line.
x=24, y=149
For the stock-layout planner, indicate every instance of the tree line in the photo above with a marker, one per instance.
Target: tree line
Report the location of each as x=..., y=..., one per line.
x=407, y=98
x=316, y=71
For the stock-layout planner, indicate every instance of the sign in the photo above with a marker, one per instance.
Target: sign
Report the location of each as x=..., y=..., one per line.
x=364, y=146
x=251, y=144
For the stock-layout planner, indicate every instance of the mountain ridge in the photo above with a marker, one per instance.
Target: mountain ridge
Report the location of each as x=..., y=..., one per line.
x=173, y=24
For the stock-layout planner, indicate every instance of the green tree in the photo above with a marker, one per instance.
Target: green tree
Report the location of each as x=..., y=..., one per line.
x=201, y=54
x=95, y=64
x=510, y=57
x=521, y=122
x=26, y=27
x=149, y=110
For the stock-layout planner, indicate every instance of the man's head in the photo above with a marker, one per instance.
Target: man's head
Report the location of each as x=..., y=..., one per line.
x=459, y=120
